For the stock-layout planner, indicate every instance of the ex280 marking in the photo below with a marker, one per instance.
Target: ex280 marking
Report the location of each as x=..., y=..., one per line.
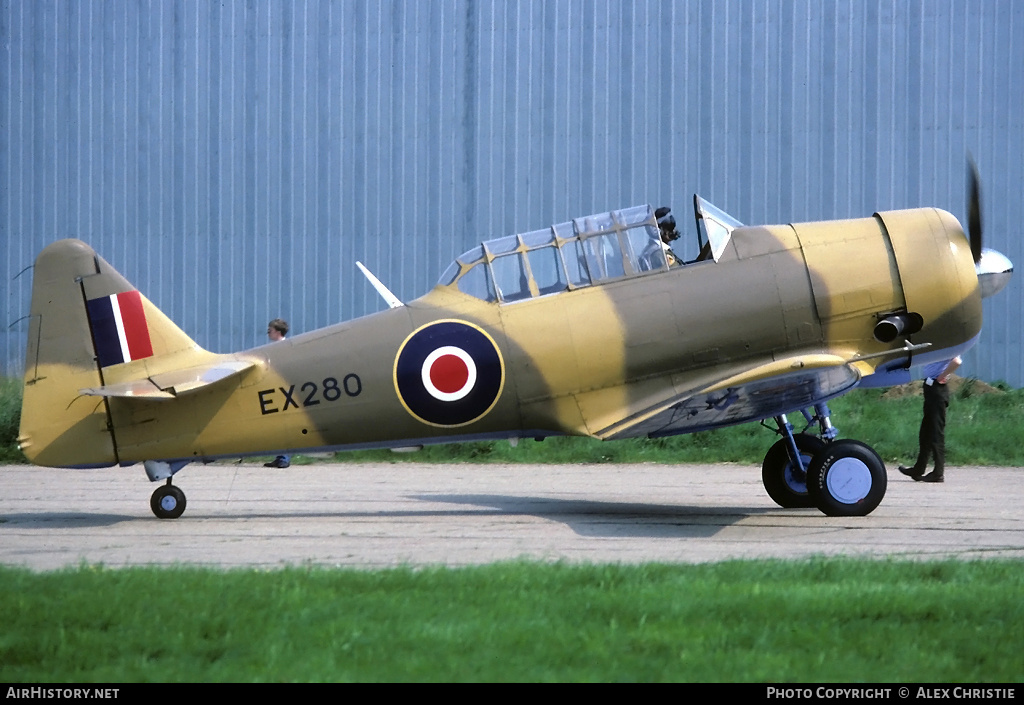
x=309, y=393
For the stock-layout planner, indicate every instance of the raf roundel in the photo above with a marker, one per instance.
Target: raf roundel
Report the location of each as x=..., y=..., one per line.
x=449, y=373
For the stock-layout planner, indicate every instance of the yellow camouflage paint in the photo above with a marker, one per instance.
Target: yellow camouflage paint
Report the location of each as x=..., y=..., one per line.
x=608, y=360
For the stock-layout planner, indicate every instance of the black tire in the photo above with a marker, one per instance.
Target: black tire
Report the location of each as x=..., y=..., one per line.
x=847, y=479
x=167, y=502
x=784, y=483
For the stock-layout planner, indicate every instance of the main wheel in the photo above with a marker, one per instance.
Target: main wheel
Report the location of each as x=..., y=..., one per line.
x=167, y=502
x=785, y=483
x=847, y=479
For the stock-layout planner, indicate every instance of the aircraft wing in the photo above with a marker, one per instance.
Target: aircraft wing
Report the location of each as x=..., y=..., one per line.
x=168, y=385
x=779, y=387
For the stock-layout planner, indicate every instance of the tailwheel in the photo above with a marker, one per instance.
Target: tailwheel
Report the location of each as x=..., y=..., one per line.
x=786, y=483
x=168, y=501
x=847, y=478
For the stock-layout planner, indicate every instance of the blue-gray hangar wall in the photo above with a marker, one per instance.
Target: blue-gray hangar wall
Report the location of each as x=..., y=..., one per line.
x=235, y=159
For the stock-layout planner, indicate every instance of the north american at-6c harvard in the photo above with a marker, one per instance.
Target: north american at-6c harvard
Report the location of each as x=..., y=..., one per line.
x=592, y=327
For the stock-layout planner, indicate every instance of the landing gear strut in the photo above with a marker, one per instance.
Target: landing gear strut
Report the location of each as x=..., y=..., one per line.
x=785, y=480
x=168, y=501
x=840, y=478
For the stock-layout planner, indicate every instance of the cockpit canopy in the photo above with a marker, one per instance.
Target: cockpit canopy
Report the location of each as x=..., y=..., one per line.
x=583, y=252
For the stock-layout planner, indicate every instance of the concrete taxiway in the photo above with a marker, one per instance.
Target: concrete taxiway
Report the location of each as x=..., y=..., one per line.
x=384, y=515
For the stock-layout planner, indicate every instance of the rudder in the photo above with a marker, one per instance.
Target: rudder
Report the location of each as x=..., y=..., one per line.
x=89, y=327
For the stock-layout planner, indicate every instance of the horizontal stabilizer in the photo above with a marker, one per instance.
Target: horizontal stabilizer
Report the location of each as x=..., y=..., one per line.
x=168, y=385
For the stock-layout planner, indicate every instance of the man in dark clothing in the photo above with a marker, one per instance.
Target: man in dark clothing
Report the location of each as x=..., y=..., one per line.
x=932, y=436
x=277, y=329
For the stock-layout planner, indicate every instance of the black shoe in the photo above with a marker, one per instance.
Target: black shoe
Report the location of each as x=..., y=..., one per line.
x=933, y=477
x=277, y=463
x=911, y=472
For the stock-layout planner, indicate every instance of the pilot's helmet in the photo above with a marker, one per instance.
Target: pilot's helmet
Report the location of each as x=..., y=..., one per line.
x=666, y=223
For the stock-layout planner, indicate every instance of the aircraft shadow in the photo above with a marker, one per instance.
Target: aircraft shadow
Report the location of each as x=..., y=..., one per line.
x=608, y=519
x=61, y=520
x=586, y=518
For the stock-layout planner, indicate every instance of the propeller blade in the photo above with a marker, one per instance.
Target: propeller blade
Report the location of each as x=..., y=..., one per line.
x=974, y=210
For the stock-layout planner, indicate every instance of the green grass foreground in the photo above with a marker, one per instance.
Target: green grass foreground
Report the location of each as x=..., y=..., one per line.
x=822, y=620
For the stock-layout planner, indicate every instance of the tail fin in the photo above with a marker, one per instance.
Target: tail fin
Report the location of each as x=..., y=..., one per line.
x=89, y=328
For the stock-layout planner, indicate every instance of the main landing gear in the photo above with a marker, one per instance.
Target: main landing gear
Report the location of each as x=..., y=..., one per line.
x=840, y=478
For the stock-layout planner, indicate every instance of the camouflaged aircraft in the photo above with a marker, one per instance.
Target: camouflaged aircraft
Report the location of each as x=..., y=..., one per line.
x=592, y=327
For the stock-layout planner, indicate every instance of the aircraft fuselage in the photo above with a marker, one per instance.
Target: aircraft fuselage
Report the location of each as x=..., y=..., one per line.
x=568, y=362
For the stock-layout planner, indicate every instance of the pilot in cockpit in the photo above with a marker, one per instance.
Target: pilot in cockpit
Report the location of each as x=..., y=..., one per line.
x=668, y=232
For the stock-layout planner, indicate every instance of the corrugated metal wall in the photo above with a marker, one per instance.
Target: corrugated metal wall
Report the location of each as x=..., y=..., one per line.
x=234, y=159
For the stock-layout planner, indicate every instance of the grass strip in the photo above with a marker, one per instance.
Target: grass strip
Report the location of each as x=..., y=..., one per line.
x=821, y=620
